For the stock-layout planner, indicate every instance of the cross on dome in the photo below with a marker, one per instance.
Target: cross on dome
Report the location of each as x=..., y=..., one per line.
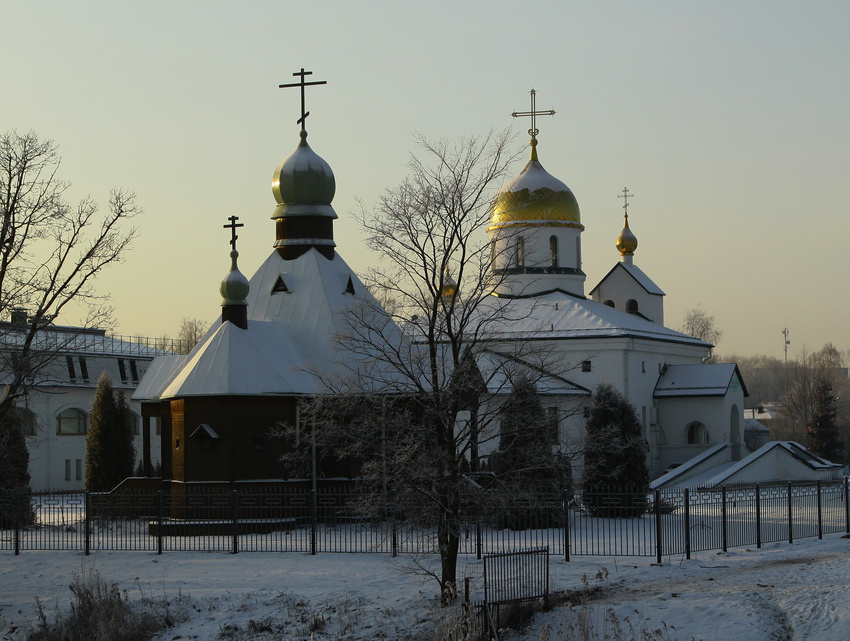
x=533, y=114
x=302, y=84
x=625, y=196
x=232, y=226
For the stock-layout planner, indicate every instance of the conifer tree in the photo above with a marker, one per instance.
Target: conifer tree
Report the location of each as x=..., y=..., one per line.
x=822, y=434
x=15, y=508
x=616, y=477
x=110, y=452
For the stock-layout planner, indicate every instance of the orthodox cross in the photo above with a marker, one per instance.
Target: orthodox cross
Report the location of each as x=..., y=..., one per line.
x=232, y=226
x=533, y=113
x=625, y=196
x=303, y=84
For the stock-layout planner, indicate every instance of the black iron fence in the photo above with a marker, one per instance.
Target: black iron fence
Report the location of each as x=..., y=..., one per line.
x=337, y=519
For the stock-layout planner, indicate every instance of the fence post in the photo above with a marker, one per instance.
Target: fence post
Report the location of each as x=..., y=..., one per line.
x=758, y=516
x=313, y=521
x=479, y=546
x=86, y=524
x=234, y=512
x=658, y=541
x=790, y=516
x=159, y=510
x=395, y=537
x=846, y=507
x=723, y=517
x=820, y=513
x=687, y=523
x=566, y=528
x=18, y=516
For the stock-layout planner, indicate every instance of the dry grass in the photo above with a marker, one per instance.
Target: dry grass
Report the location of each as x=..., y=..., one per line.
x=101, y=612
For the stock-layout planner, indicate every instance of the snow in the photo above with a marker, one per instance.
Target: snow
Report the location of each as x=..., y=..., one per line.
x=783, y=591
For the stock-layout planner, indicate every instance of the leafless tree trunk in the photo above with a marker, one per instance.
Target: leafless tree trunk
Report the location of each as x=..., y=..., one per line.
x=421, y=360
x=50, y=254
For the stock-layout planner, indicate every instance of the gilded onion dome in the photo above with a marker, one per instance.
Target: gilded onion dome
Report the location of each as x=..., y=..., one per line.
x=449, y=288
x=627, y=242
x=535, y=196
x=303, y=184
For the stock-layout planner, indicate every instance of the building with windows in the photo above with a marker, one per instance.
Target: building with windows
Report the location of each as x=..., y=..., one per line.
x=57, y=407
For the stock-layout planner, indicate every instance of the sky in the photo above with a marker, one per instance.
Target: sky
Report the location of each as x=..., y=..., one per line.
x=728, y=121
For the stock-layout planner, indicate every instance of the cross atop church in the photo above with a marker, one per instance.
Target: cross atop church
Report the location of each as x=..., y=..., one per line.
x=232, y=226
x=302, y=84
x=625, y=196
x=533, y=114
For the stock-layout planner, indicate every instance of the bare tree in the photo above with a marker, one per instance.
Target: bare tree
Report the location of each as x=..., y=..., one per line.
x=191, y=331
x=803, y=378
x=50, y=254
x=699, y=324
x=412, y=405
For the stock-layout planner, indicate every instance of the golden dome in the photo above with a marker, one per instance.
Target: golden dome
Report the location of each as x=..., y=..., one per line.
x=449, y=288
x=627, y=241
x=535, y=196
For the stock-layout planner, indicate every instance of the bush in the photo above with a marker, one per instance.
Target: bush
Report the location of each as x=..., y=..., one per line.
x=101, y=612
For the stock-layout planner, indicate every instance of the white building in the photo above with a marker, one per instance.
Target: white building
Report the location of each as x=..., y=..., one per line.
x=57, y=408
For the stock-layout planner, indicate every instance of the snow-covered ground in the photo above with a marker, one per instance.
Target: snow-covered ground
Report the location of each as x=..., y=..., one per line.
x=781, y=592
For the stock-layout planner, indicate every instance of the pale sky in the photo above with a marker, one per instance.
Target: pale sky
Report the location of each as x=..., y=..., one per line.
x=727, y=120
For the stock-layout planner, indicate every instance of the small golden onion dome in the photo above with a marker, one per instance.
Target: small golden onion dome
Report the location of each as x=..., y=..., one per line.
x=627, y=241
x=303, y=184
x=449, y=288
x=535, y=195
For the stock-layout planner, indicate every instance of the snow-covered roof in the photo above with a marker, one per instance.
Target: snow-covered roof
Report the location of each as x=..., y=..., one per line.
x=635, y=272
x=291, y=335
x=158, y=375
x=558, y=315
x=499, y=371
x=698, y=380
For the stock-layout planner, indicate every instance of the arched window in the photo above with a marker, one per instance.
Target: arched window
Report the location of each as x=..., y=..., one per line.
x=632, y=306
x=553, y=251
x=608, y=302
x=71, y=421
x=578, y=253
x=520, y=252
x=697, y=434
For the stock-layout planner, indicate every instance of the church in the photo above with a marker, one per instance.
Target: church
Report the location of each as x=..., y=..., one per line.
x=216, y=407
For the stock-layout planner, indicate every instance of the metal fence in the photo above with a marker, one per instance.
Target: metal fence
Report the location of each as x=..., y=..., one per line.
x=296, y=519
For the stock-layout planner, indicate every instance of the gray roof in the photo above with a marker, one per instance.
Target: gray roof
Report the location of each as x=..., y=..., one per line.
x=698, y=380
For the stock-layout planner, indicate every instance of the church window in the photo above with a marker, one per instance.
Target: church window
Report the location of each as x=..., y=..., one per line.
x=643, y=367
x=122, y=370
x=520, y=252
x=79, y=469
x=280, y=286
x=578, y=253
x=84, y=370
x=134, y=373
x=697, y=434
x=608, y=302
x=553, y=251
x=632, y=306
x=71, y=421
x=585, y=366
x=67, y=469
x=72, y=374
x=349, y=289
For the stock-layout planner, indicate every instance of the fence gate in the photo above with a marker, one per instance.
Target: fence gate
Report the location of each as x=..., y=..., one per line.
x=515, y=577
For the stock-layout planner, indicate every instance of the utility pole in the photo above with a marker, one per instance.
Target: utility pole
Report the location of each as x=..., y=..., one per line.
x=785, y=333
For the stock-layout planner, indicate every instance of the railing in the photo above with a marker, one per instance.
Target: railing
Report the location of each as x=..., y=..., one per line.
x=296, y=519
x=85, y=341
